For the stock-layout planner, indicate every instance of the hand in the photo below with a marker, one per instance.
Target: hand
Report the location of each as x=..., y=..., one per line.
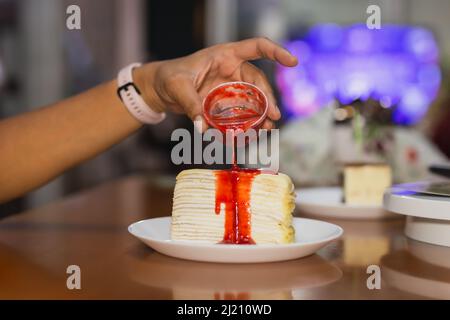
x=180, y=85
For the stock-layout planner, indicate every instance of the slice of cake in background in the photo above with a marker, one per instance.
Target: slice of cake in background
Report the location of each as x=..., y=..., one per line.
x=200, y=209
x=365, y=183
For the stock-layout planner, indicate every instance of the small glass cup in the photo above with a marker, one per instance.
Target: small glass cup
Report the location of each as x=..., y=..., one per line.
x=236, y=106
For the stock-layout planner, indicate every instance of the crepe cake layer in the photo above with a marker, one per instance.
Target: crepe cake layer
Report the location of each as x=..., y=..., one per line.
x=194, y=217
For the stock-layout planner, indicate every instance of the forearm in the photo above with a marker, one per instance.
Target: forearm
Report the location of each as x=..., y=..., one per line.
x=37, y=146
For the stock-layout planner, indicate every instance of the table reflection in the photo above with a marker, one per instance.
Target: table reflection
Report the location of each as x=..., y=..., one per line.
x=365, y=242
x=20, y=275
x=198, y=280
x=422, y=269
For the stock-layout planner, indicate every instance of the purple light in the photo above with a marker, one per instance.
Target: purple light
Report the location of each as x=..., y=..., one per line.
x=304, y=98
x=396, y=65
x=354, y=86
x=429, y=76
x=390, y=38
x=385, y=101
x=306, y=94
x=359, y=39
x=326, y=37
x=420, y=42
x=300, y=49
x=412, y=106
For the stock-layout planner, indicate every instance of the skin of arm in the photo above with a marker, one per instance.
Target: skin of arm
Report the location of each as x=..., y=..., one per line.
x=37, y=146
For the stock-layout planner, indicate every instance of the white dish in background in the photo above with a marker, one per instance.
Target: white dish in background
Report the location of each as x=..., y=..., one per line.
x=311, y=235
x=428, y=216
x=432, y=254
x=327, y=202
x=398, y=199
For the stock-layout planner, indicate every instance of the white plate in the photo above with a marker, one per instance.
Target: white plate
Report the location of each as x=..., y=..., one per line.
x=397, y=199
x=327, y=202
x=311, y=235
x=435, y=255
x=428, y=216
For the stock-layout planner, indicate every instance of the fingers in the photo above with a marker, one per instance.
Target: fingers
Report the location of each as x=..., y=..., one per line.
x=182, y=91
x=268, y=124
x=252, y=74
x=256, y=48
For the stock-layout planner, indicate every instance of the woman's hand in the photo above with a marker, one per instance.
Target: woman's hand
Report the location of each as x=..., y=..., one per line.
x=179, y=85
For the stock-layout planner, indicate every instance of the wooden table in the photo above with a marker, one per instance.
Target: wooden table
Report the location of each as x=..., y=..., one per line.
x=90, y=230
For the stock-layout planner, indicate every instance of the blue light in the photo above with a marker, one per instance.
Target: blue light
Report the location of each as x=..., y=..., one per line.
x=354, y=86
x=397, y=65
x=420, y=42
x=359, y=39
x=325, y=37
x=412, y=106
x=429, y=76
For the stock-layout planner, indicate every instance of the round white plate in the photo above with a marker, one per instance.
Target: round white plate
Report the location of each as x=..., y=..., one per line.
x=428, y=216
x=428, y=230
x=311, y=235
x=397, y=199
x=327, y=202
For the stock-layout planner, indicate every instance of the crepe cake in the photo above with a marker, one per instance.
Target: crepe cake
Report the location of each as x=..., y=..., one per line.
x=365, y=183
x=233, y=206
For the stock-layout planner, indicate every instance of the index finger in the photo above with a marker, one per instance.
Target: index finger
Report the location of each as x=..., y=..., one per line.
x=257, y=48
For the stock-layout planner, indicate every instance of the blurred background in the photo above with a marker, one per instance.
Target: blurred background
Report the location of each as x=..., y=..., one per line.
x=357, y=94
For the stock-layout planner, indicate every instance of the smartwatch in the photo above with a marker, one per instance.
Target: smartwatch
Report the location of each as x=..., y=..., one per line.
x=131, y=97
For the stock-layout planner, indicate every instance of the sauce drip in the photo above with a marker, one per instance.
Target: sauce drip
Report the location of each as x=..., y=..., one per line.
x=233, y=193
x=236, y=107
x=233, y=188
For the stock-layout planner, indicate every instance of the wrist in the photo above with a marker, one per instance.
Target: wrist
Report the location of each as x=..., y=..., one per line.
x=144, y=78
x=134, y=97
